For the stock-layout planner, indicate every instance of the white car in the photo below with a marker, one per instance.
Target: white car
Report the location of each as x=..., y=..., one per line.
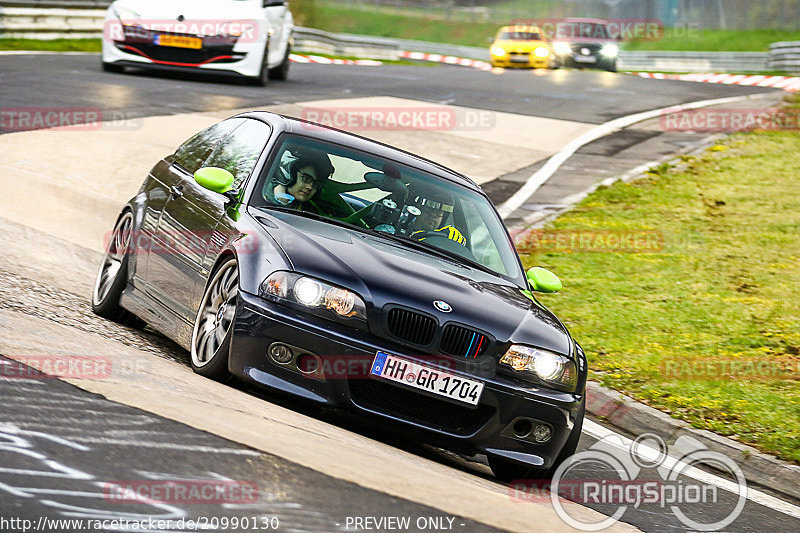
x=250, y=38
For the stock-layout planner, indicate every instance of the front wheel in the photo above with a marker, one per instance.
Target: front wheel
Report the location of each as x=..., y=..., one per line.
x=213, y=327
x=112, y=277
x=113, y=67
x=281, y=72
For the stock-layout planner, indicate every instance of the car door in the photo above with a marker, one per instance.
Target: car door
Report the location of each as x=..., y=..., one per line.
x=161, y=184
x=191, y=214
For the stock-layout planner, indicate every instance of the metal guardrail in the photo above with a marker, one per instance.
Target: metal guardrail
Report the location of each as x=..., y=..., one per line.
x=785, y=56
x=659, y=61
x=51, y=23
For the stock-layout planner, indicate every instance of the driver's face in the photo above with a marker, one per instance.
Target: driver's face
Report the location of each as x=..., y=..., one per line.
x=429, y=219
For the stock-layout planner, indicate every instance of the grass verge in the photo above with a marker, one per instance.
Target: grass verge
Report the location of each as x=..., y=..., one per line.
x=54, y=45
x=708, y=328
x=418, y=24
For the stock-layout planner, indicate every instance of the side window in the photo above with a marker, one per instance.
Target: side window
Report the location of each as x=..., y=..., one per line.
x=238, y=153
x=193, y=152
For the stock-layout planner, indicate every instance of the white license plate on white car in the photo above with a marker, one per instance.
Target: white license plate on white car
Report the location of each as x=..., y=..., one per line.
x=425, y=378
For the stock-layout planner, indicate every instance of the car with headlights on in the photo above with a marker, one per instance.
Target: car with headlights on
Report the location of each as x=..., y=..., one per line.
x=521, y=47
x=352, y=274
x=586, y=43
x=246, y=38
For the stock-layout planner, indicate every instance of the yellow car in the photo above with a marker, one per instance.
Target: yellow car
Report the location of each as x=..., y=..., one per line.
x=522, y=46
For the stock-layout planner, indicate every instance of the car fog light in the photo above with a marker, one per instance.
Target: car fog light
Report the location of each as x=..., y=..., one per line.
x=308, y=291
x=280, y=353
x=541, y=51
x=541, y=433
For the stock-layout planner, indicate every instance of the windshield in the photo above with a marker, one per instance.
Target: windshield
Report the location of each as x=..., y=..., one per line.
x=383, y=197
x=519, y=36
x=582, y=30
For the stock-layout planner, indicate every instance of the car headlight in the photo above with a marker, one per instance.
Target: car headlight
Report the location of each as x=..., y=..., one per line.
x=609, y=50
x=549, y=367
x=236, y=28
x=541, y=51
x=314, y=294
x=561, y=47
x=125, y=15
x=498, y=51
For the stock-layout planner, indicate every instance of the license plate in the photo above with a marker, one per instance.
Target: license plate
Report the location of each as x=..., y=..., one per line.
x=585, y=59
x=518, y=58
x=428, y=379
x=178, y=41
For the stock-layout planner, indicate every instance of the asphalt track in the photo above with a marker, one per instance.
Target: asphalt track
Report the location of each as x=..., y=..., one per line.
x=110, y=441
x=584, y=96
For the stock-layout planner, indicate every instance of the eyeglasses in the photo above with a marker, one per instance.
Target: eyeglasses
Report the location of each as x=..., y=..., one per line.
x=308, y=179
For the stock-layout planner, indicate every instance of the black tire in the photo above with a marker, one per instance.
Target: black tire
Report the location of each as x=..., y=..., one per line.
x=113, y=67
x=507, y=471
x=213, y=326
x=263, y=75
x=112, y=277
x=281, y=72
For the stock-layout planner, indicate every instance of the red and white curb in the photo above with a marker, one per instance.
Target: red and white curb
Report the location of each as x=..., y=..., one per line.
x=787, y=83
x=450, y=60
x=297, y=58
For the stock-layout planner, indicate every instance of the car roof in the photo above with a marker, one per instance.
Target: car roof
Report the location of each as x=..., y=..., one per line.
x=521, y=27
x=283, y=123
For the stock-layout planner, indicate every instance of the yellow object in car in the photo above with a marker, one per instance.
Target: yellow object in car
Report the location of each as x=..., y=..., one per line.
x=521, y=46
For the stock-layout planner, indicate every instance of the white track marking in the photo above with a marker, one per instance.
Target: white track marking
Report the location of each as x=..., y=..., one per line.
x=539, y=177
x=599, y=432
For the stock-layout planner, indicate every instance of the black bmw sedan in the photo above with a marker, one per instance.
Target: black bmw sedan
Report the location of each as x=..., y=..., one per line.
x=353, y=274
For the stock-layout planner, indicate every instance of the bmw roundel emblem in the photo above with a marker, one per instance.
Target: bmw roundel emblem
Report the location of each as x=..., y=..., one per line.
x=442, y=306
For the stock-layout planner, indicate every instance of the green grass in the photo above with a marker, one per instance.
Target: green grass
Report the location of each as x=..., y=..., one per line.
x=408, y=23
x=725, y=286
x=342, y=19
x=55, y=45
x=715, y=40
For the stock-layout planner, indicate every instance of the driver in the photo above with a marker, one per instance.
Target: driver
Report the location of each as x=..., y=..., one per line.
x=434, y=207
x=299, y=179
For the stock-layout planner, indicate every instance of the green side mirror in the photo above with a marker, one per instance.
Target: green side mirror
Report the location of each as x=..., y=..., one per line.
x=542, y=280
x=214, y=179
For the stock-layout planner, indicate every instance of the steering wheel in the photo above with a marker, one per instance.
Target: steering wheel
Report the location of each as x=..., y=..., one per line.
x=434, y=238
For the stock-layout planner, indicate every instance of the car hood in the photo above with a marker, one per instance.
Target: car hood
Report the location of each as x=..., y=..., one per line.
x=385, y=272
x=192, y=9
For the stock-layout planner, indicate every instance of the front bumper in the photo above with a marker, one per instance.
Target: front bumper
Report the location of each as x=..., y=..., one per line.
x=532, y=62
x=244, y=59
x=340, y=383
